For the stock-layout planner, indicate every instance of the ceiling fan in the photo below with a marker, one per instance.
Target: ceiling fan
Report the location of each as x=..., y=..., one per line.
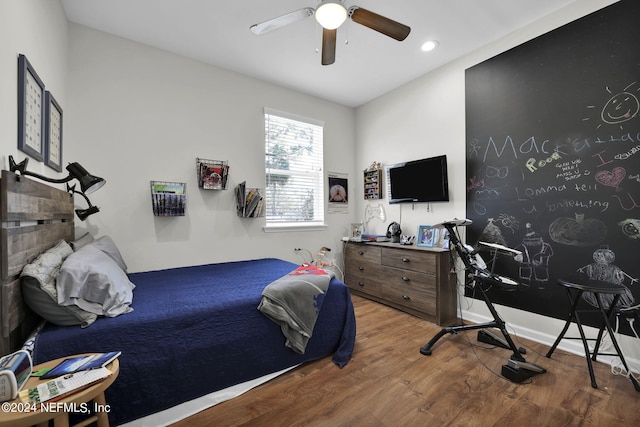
x=330, y=15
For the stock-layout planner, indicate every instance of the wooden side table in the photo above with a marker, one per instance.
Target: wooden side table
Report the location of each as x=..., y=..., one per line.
x=12, y=414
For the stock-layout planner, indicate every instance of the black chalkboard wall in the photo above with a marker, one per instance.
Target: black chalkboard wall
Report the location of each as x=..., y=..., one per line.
x=553, y=158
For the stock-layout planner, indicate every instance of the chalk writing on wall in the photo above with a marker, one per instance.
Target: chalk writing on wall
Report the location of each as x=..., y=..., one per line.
x=553, y=158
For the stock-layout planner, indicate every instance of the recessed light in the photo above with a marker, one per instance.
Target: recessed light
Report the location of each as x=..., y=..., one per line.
x=429, y=45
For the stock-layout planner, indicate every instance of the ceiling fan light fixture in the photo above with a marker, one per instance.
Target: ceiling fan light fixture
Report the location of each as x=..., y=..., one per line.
x=331, y=15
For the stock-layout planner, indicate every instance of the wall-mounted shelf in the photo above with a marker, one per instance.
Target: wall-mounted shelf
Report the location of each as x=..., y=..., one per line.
x=168, y=198
x=249, y=201
x=212, y=174
x=373, y=184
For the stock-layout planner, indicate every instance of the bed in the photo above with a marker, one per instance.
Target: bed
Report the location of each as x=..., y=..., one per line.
x=193, y=330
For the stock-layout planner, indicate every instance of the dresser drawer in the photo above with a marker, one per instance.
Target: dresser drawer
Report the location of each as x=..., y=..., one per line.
x=363, y=269
x=425, y=262
x=410, y=289
x=356, y=253
x=404, y=279
x=366, y=285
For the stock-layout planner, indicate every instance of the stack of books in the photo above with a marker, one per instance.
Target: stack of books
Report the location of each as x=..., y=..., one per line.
x=69, y=376
x=63, y=386
x=374, y=238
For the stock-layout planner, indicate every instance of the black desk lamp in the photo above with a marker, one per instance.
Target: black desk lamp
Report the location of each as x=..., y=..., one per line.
x=88, y=182
x=83, y=213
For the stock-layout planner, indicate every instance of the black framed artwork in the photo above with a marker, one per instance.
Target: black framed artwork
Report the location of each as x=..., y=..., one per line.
x=52, y=132
x=31, y=104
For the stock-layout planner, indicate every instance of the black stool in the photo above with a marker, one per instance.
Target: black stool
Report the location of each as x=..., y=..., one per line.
x=575, y=287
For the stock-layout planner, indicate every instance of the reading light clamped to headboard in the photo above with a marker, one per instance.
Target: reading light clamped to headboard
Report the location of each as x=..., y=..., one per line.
x=88, y=182
x=83, y=213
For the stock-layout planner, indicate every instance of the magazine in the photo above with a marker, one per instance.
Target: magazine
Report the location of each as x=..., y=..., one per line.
x=61, y=387
x=81, y=363
x=212, y=174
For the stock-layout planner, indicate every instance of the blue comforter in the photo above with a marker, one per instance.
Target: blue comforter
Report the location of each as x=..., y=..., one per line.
x=195, y=330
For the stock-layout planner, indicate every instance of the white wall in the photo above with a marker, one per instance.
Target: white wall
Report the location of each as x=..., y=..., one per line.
x=426, y=118
x=135, y=114
x=37, y=29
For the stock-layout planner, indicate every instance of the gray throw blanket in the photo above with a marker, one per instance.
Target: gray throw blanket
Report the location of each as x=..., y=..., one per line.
x=294, y=301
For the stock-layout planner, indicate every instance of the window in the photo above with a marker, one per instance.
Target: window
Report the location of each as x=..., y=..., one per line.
x=293, y=167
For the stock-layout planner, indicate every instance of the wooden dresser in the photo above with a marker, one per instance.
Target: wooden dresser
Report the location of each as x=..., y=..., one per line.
x=413, y=279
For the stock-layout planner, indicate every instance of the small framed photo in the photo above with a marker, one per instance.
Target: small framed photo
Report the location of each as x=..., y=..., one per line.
x=357, y=228
x=30, y=110
x=427, y=236
x=52, y=132
x=446, y=240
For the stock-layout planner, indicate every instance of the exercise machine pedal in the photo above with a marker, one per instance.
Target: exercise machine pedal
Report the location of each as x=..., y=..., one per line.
x=517, y=371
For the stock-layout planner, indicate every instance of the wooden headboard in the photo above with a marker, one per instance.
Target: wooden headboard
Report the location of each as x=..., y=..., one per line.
x=35, y=217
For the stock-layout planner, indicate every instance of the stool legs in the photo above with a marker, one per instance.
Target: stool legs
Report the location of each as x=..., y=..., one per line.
x=613, y=338
x=607, y=325
x=585, y=342
x=573, y=315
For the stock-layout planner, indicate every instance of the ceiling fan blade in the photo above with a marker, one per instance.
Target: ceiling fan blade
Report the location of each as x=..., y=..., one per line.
x=383, y=25
x=281, y=21
x=328, y=46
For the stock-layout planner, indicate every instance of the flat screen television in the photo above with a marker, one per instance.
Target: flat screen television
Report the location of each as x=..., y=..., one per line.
x=417, y=181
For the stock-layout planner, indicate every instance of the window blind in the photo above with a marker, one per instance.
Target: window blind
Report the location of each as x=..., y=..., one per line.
x=294, y=170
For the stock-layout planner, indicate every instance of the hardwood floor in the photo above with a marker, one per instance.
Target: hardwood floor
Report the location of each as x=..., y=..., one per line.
x=389, y=383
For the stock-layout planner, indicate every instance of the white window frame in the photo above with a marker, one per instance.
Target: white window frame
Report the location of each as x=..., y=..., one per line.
x=317, y=177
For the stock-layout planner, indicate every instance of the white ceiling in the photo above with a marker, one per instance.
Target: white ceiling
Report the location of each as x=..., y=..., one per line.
x=369, y=65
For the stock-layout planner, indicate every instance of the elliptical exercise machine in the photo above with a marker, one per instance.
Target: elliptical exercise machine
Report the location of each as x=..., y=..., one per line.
x=478, y=277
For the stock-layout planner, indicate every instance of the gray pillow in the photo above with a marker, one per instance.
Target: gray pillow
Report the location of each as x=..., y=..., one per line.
x=92, y=280
x=42, y=304
x=83, y=240
x=106, y=245
x=39, y=289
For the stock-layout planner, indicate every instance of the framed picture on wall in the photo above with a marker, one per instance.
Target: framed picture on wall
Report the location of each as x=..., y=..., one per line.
x=30, y=110
x=52, y=132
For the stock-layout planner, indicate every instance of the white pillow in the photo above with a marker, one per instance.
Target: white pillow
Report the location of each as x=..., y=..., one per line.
x=92, y=280
x=86, y=238
x=106, y=245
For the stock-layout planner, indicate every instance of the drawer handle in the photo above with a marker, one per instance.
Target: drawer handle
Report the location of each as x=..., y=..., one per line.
x=406, y=260
x=361, y=284
x=360, y=252
x=406, y=297
x=361, y=268
x=405, y=279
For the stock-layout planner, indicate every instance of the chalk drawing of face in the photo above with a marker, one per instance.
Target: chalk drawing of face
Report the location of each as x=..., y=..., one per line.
x=620, y=108
x=630, y=228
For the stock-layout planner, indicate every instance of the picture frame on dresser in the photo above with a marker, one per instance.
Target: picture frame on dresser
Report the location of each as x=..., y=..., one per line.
x=52, y=132
x=357, y=230
x=427, y=236
x=31, y=94
x=446, y=240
